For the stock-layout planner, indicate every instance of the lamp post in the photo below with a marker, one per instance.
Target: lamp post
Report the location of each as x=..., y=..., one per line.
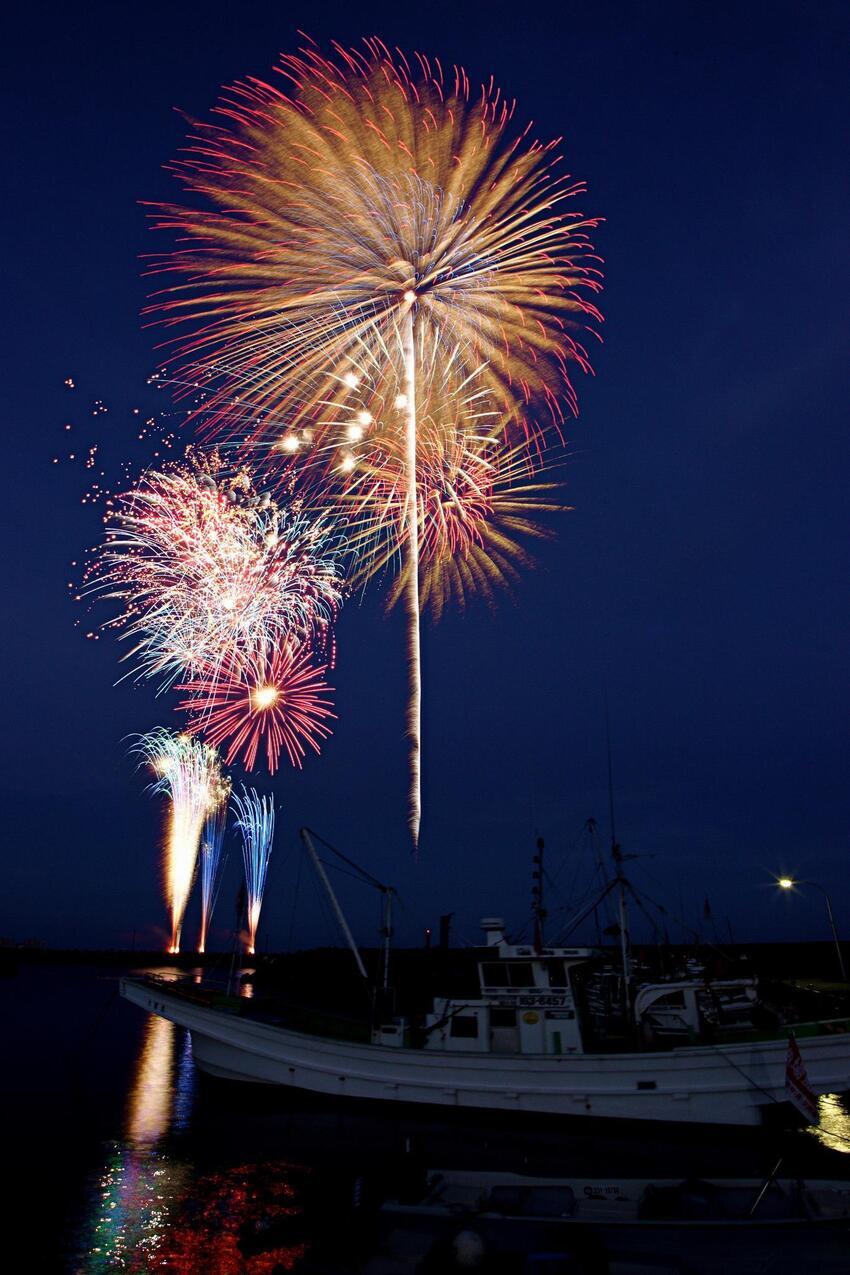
x=788, y=883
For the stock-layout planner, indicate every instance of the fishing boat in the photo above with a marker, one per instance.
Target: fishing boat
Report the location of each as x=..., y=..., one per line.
x=627, y=1202
x=534, y=1037
x=485, y=1219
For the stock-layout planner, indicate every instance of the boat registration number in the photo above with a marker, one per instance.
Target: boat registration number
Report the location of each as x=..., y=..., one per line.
x=541, y=1001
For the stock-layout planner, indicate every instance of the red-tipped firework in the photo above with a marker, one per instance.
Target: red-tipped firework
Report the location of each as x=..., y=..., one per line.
x=275, y=699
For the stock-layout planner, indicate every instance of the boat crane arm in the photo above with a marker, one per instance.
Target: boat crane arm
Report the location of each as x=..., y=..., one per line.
x=445, y=1020
x=338, y=912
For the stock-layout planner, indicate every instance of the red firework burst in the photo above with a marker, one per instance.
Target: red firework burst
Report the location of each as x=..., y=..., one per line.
x=278, y=698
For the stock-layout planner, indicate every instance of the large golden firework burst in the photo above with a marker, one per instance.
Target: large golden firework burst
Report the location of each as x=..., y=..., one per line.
x=375, y=202
x=370, y=178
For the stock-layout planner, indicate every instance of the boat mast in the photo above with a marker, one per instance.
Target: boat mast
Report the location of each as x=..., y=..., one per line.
x=387, y=932
x=338, y=912
x=617, y=856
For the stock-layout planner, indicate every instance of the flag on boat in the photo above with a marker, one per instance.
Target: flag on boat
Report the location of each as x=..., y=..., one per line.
x=797, y=1085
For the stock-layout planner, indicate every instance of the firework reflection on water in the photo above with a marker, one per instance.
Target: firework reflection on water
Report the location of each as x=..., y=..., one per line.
x=150, y=1206
x=139, y=1184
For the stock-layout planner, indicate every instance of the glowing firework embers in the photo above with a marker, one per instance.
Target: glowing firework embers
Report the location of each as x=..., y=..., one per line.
x=275, y=699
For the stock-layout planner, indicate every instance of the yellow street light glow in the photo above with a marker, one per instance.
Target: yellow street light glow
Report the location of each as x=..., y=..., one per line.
x=263, y=697
x=788, y=883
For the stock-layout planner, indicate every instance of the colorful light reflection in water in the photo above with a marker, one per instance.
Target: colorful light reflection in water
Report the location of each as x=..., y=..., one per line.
x=140, y=1183
x=153, y=1210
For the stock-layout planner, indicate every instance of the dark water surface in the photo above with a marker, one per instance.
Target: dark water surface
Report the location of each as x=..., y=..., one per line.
x=122, y=1157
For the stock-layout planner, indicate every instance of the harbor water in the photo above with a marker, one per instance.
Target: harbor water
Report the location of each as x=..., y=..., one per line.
x=124, y=1158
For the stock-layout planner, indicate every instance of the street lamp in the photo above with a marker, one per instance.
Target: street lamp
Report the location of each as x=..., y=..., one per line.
x=788, y=883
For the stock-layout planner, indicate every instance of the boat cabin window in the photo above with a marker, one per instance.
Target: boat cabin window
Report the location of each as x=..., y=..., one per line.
x=465, y=1025
x=502, y=1017
x=555, y=973
x=507, y=974
x=669, y=998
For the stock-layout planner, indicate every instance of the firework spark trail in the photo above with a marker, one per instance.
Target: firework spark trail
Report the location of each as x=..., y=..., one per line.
x=414, y=721
x=437, y=494
x=187, y=772
x=255, y=821
x=372, y=197
x=212, y=861
x=202, y=567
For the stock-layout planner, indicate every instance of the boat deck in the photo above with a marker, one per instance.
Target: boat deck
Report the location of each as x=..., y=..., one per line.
x=627, y=1201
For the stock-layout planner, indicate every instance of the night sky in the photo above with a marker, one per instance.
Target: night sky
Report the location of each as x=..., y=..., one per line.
x=700, y=583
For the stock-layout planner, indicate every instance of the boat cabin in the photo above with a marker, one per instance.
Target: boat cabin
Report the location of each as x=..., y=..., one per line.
x=526, y=1003
x=685, y=1008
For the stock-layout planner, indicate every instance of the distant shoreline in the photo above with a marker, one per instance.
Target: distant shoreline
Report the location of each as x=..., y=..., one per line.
x=774, y=960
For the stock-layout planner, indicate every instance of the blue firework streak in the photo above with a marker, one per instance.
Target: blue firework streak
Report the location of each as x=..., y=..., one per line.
x=255, y=821
x=212, y=861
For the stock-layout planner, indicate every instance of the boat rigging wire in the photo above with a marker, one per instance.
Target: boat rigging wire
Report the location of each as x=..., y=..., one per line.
x=361, y=872
x=338, y=912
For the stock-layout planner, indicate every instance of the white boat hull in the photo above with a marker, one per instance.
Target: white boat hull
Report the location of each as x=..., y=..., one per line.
x=729, y=1085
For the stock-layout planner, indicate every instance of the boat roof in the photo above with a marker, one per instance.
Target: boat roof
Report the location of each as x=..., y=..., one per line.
x=527, y=952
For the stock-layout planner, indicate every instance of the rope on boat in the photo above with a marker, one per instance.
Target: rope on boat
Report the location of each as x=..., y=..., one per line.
x=755, y=1084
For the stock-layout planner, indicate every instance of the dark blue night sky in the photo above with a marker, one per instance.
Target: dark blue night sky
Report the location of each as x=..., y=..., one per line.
x=701, y=581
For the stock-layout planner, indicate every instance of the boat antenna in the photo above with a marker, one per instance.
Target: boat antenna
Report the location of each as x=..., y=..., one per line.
x=610, y=775
x=617, y=856
x=537, y=895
